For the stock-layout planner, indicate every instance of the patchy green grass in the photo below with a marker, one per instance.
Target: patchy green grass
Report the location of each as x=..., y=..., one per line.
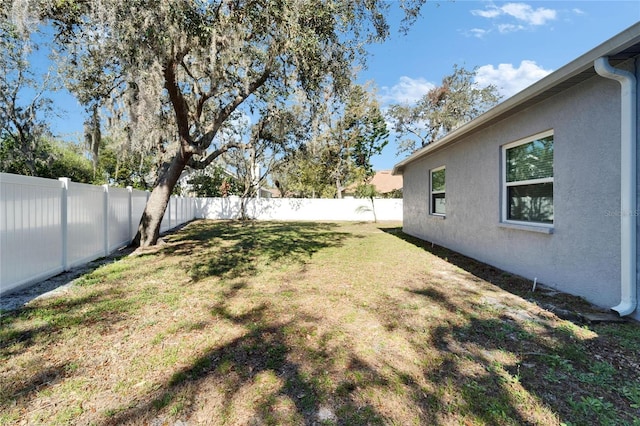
x=310, y=323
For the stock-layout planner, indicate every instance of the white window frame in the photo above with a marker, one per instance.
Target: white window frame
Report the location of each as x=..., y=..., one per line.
x=432, y=207
x=505, y=184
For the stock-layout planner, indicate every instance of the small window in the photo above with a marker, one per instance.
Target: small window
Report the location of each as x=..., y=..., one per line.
x=527, y=189
x=438, y=199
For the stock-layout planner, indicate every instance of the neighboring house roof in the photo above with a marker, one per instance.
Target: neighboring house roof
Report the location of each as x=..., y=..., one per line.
x=384, y=181
x=275, y=192
x=623, y=46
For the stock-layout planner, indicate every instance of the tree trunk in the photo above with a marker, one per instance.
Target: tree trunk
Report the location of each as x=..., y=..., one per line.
x=339, y=188
x=373, y=209
x=243, y=208
x=149, y=227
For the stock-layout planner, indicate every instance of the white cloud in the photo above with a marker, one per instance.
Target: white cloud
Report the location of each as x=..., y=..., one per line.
x=531, y=16
x=509, y=28
x=579, y=11
x=407, y=90
x=508, y=79
x=477, y=32
x=524, y=14
x=491, y=12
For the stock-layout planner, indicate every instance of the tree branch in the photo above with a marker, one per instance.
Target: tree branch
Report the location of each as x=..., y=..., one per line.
x=177, y=100
x=199, y=93
x=241, y=97
x=418, y=135
x=204, y=142
x=204, y=97
x=201, y=164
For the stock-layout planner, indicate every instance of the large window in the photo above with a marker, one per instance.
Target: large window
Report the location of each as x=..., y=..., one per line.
x=438, y=199
x=528, y=180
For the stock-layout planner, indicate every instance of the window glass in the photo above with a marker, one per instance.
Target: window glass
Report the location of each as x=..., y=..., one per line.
x=528, y=181
x=438, y=197
x=531, y=203
x=437, y=180
x=438, y=202
x=532, y=160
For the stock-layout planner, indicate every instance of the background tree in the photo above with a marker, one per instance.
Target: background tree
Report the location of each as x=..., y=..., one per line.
x=93, y=136
x=367, y=190
x=303, y=174
x=120, y=167
x=279, y=130
x=214, y=181
x=24, y=105
x=346, y=134
x=365, y=129
x=67, y=160
x=456, y=101
x=306, y=172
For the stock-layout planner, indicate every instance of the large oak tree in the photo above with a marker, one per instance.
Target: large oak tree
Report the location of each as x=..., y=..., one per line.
x=174, y=71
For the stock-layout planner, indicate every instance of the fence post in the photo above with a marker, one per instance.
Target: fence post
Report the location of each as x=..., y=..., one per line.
x=130, y=192
x=105, y=212
x=64, y=222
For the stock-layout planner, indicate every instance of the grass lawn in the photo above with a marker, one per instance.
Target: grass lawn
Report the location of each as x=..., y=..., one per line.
x=236, y=323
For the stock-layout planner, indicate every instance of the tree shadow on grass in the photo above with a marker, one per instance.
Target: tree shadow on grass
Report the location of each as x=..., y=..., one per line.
x=225, y=249
x=20, y=387
x=499, y=355
x=287, y=373
x=52, y=318
x=499, y=369
x=97, y=308
x=261, y=377
x=233, y=249
x=566, y=304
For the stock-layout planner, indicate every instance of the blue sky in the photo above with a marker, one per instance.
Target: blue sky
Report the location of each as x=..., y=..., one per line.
x=513, y=44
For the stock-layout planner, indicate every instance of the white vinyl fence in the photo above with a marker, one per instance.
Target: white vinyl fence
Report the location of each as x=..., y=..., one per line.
x=347, y=209
x=49, y=226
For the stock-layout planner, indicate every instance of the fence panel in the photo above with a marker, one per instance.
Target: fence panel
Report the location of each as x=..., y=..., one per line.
x=138, y=202
x=173, y=202
x=47, y=226
x=165, y=225
x=182, y=214
x=218, y=208
x=119, y=221
x=348, y=209
x=30, y=230
x=86, y=223
x=177, y=216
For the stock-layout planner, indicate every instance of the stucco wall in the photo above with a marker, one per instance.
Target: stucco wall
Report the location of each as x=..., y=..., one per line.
x=582, y=255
